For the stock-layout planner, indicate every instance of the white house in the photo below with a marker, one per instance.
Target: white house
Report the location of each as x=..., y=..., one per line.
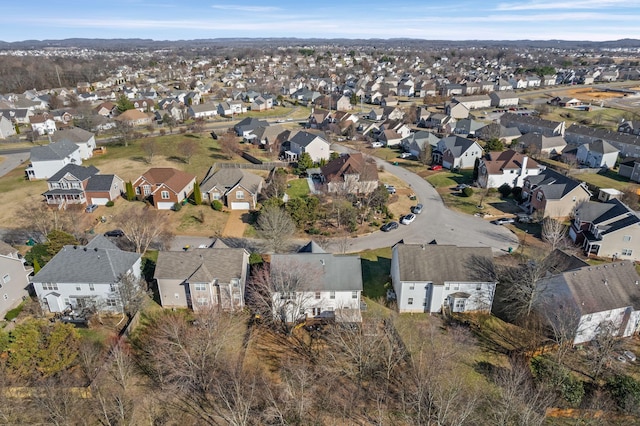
x=47, y=160
x=430, y=277
x=88, y=276
x=6, y=127
x=455, y=152
x=331, y=288
x=593, y=300
x=510, y=167
x=43, y=124
x=14, y=278
x=315, y=145
x=85, y=140
x=597, y=154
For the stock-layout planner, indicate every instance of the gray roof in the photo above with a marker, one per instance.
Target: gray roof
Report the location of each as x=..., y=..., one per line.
x=600, y=288
x=305, y=138
x=229, y=178
x=440, y=264
x=94, y=263
x=72, y=134
x=542, y=142
x=326, y=272
x=100, y=183
x=311, y=247
x=602, y=147
x=457, y=145
x=201, y=265
x=53, y=151
x=553, y=185
x=79, y=172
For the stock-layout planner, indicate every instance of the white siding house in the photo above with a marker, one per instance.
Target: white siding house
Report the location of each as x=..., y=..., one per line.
x=47, y=160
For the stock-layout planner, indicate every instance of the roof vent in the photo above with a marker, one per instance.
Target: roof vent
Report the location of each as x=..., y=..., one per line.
x=606, y=282
x=84, y=248
x=637, y=282
x=75, y=247
x=322, y=262
x=95, y=249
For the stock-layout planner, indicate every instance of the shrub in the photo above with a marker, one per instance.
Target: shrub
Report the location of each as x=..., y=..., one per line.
x=177, y=207
x=375, y=224
x=467, y=192
x=625, y=391
x=217, y=205
x=255, y=259
x=517, y=193
x=313, y=231
x=505, y=190
x=13, y=313
x=109, y=203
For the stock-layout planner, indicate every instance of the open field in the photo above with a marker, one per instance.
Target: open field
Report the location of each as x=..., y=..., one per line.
x=589, y=94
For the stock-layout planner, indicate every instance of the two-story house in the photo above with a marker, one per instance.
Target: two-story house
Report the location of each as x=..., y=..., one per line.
x=47, y=160
x=85, y=140
x=203, y=278
x=608, y=229
x=431, y=277
x=238, y=189
x=455, y=152
x=553, y=194
x=164, y=186
x=507, y=167
x=350, y=174
x=597, y=154
x=79, y=277
x=14, y=278
x=315, y=145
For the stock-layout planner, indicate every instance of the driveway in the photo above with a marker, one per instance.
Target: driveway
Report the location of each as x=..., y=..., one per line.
x=9, y=161
x=436, y=222
x=235, y=226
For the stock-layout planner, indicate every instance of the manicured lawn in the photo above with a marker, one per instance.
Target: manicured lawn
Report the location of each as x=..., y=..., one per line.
x=298, y=188
x=610, y=179
x=448, y=179
x=376, y=265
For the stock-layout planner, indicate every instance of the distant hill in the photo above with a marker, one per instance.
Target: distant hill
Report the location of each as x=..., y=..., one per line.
x=137, y=43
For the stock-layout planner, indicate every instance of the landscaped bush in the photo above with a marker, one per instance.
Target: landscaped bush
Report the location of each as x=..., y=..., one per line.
x=109, y=203
x=255, y=258
x=517, y=193
x=505, y=190
x=375, y=224
x=13, y=313
x=177, y=207
x=313, y=231
x=217, y=205
x=467, y=192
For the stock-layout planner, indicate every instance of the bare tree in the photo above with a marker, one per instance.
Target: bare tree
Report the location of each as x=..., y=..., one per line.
x=132, y=293
x=425, y=155
x=630, y=196
x=187, y=149
x=275, y=227
x=228, y=143
x=554, y=233
x=125, y=132
x=141, y=227
x=114, y=397
x=150, y=148
x=606, y=342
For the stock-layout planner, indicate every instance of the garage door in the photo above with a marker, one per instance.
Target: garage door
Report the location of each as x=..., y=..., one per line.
x=99, y=201
x=165, y=206
x=240, y=206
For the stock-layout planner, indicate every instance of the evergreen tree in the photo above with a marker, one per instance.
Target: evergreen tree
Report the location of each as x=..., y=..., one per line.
x=130, y=193
x=197, y=194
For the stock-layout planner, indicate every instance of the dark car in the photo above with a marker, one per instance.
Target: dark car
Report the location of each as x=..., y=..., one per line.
x=114, y=233
x=417, y=209
x=389, y=226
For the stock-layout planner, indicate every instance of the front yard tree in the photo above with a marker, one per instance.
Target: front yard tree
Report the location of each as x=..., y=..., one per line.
x=425, y=156
x=275, y=227
x=142, y=227
x=304, y=162
x=197, y=194
x=187, y=149
x=125, y=132
x=169, y=121
x=228, y=143
x=124, y=104
x=150, y=148
x=554, y=233
x=130, y=192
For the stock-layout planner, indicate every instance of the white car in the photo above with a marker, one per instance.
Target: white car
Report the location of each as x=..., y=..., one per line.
x=376, y=145
x=407, y=219
x=406, y=155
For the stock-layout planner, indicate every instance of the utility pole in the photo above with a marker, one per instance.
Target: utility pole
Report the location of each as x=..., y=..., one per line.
x=58, y=74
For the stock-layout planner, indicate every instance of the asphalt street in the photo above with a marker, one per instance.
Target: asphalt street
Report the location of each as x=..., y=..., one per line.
x=11, y=160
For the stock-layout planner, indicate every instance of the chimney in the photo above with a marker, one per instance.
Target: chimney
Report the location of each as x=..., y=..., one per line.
x=525, y=159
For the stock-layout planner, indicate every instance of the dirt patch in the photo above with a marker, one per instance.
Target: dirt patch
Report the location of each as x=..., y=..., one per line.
x=588, y=94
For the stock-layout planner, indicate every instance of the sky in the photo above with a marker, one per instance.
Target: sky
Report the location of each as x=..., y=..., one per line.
x=593, y=20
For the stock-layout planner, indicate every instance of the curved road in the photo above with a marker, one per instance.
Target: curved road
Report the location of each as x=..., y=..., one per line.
x=436, y=222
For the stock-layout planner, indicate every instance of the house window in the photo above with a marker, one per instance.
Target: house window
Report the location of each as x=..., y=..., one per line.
x=410, y=301
x=626, y=252
x=6, y=278
x=164, y=195
x=235, y=282
x=203, y=301
x=78, y=287
x=200, y=287
x=49, y=286
x=91, y=287
x=216, y=195
x=317, y=295
x=112, y=287
x=412, y=286
x=146, y=189
x=539, y=196
x=354, y=294
x=239, y=195
x=332, y=295
x=446, y=287
x=112, y=302
x=626, y=238
x=137, y=190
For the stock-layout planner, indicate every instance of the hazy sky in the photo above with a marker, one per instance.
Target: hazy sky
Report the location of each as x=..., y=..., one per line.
x=595, y=20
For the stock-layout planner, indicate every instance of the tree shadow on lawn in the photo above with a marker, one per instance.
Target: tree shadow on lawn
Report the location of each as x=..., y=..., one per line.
x=176, y=159
x=375, y=274
x=506, y=206
x=139, y=159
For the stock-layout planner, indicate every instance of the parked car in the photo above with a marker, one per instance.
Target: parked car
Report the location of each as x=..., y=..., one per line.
x=630, y=355
x=417, y=209
x=377, y=144
x=436, y=167
x=91, y=208
x=114, y=233
x=407, y=219
x=389, y=226
x=460, y=187
x=391, y=189
x=504, y=220
x=524, y=218
x=406, y=155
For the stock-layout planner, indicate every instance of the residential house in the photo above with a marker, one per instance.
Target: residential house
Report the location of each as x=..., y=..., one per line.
x=350, y=174
x=68, y=184
x=17, y=115
x=553, y=194
x=537, y=143
x=593, y=300
x=506, y=167
x=549, y=80
x=14, y=278
x=331, y=287
x=503, y=99
x=376, y=114
x=630, y=169
x=90, y=276
x=455, y=152
x=248, y=125
x=415, y=142
x=46, y=160
x=627, y=143
x=144, y=105
x=7, y=128
x=528, y=123
x=203, y=278
x=631, y=127
x=261, y=103
x=432, y=278
x=389, y=137
x=43, y=124
x=135, y=118
x=456, y=110
x=609, y=230
x=237, y=189
x=473, y=102
x=107, y=109
x=597, y=154
x=164, y=186
x=85, y=140
x=103, y=188
x=497, y=130
x=206, y=110
x=315, y=145
x=467, y=127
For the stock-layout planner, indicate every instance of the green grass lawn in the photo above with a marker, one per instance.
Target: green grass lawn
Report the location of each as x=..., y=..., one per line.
x=609, y=179
x=376, y=265
x=447, y=178
x=298, y=188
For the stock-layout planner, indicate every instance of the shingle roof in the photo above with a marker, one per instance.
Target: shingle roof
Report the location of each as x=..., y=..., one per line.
x=100, y=183
x=303, y=139
x=326, y=272
x=495, y=162
x=89, y=264
x=201, y=265
x=350, y=164
x=172, y=178
x=553, y=184
x=228, y=178
x=439, y=264
x=79, y=172
x=53, y=151
x=72, y=134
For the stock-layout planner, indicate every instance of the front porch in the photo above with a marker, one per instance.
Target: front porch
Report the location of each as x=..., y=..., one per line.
x=65, y=196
